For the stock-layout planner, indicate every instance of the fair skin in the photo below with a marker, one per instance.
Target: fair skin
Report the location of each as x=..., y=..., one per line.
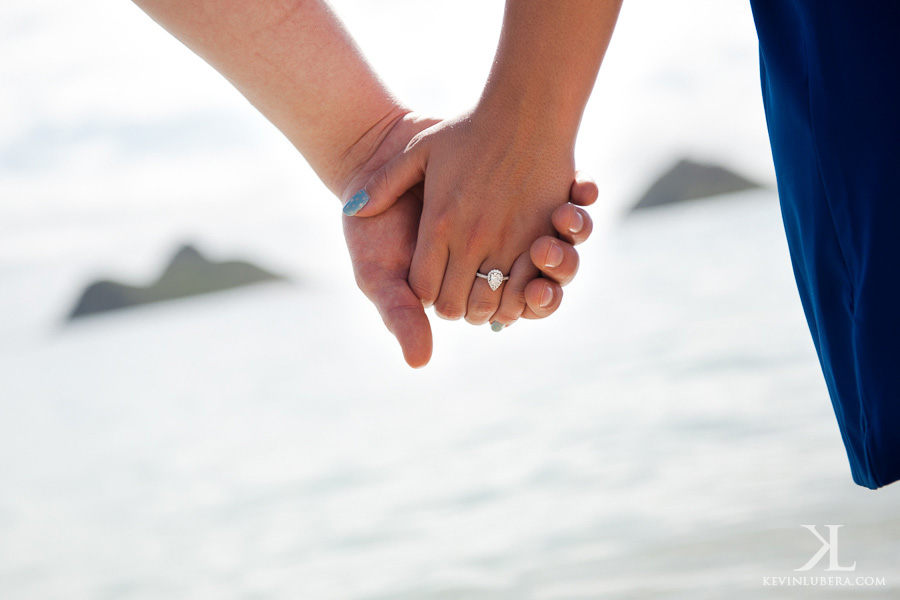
x=293, y=60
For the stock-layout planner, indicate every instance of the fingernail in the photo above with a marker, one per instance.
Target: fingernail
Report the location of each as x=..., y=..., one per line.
x=576, y=223
x=360, y=199
x=497, y=326
x=554, y=255
x=546, y=296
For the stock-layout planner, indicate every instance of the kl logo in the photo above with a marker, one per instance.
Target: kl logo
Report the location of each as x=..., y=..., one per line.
x=829, y=547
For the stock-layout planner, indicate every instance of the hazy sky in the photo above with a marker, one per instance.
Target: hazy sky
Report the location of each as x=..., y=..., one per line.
x=94, y=92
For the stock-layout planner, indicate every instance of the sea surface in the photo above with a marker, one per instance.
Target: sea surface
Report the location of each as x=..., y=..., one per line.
x=664, y=436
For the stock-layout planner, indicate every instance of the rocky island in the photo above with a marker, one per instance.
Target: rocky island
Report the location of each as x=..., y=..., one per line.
x=188, y=274
x=688, y=180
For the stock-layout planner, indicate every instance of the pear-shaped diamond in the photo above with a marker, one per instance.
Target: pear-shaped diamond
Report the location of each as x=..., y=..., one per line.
x=494, y=279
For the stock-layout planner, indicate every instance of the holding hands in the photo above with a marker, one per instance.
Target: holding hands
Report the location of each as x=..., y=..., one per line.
x=430, y=205
x=403, y=249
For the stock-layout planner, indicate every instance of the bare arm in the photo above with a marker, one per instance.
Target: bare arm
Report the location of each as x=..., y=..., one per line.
x=295, y=62
x=546, y=64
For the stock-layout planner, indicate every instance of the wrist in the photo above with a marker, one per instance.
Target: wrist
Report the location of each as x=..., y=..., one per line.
x=515, y=124
x=533, y=118
x=381, y=144
x=356, y=156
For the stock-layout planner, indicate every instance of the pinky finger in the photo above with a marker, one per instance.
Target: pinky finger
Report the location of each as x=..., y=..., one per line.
x=584, y=190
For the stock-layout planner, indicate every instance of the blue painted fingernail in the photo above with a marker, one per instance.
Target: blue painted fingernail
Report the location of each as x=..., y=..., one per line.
x=360, y=199
x=497, y=326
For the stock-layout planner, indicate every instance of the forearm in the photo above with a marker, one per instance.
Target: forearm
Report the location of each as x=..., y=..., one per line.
x=546, y=64
x=294, y=61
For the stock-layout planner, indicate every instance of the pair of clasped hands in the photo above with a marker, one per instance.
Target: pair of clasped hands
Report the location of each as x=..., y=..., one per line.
x=429, y=204
x=439, y=201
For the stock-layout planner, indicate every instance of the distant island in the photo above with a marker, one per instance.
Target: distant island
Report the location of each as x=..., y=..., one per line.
x=688, y=180
x=189, y=274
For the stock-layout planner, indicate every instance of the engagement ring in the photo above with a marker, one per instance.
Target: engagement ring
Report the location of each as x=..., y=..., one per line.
x=494, y=278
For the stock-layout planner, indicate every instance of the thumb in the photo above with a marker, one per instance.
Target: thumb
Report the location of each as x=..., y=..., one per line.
x=403, y=314
x=388, y=183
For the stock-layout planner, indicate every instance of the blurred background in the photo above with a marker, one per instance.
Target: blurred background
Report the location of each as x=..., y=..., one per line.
x=664, y=435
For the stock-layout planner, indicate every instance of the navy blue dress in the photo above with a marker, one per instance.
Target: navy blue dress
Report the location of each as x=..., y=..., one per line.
x=830, y=74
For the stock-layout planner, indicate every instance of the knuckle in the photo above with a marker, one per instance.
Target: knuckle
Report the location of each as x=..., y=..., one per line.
x=378, y=183
x=507, y=317
x=442, y=223
x=367, y=277
x=477, y=237
x=448, y=310
x=396, y=313
x=457, y=193
x=515, y=290
x=422, y=292
x=511, y=308
x=476, y=319
x=365, y=285
x=481, y=308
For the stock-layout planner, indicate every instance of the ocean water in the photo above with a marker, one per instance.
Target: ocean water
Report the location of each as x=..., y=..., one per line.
x=664, y=436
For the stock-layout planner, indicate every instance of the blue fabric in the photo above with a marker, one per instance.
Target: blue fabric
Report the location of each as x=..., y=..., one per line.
x=830, y=74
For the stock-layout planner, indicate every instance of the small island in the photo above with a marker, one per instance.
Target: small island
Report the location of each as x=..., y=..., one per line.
x=688, y=180
x=189, y=273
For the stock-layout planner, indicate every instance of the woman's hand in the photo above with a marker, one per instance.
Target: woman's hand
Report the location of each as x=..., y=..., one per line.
x=491, y=186
x=382, y=248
